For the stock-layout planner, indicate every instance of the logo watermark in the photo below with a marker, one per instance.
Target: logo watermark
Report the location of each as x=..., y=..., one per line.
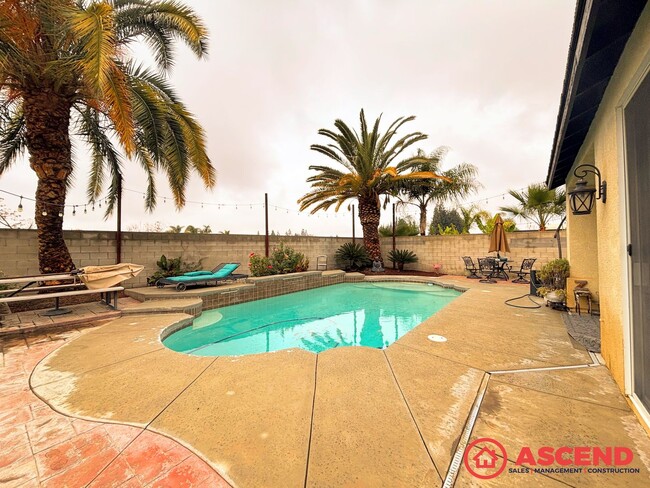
x=486, y=458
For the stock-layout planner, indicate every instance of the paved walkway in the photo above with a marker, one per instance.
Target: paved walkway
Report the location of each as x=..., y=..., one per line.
x=84, y=314
x=41, y=447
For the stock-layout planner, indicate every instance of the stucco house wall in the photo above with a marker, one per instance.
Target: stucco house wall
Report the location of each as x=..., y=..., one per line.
x=598, y=252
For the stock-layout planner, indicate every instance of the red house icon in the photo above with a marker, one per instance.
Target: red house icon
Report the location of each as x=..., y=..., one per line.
x=485, y=459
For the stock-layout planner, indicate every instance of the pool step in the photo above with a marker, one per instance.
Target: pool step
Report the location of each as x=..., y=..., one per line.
x=190, y=306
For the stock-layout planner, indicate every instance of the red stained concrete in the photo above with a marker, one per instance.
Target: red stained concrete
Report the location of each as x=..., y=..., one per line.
x=41, y=447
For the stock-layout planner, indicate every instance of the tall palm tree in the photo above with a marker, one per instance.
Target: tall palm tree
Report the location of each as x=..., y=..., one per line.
x=66, y=70
x=370, y=170
x=537, y=204
x=422, y=193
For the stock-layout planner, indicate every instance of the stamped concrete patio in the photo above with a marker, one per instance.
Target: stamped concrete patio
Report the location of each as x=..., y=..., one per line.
x=356, y=416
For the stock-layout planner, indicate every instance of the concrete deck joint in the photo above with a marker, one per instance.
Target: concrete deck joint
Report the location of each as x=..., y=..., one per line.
x=457, y=458
x=408, y=407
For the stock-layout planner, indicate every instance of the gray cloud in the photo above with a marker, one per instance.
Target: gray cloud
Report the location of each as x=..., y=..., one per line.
x=482, y=77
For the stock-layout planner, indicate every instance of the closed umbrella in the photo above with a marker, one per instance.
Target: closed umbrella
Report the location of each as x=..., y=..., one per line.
x=498, y=239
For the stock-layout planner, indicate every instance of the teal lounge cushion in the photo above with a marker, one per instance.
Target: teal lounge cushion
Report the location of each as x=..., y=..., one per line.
x=189, y=278
x=197, y=273
x=225, y=271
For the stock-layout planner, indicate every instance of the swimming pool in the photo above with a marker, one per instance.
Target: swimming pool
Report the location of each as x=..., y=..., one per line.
x=348, y=314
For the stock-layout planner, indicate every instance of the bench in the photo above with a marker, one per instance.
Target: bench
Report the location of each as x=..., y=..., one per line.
x=108, y=296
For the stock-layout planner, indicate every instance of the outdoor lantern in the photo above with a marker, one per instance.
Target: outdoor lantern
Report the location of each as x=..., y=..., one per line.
x=583, y=197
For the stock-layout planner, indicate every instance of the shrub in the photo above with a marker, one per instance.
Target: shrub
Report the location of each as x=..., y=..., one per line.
x=553, y=276
x=172, y=267
x=405, y=227
x=283, y=260
x=352, y=256
x=259, y=265
x=402, y=257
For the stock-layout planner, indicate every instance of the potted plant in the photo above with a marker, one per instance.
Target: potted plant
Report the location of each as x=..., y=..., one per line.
x=553, y=276
x=402, y=257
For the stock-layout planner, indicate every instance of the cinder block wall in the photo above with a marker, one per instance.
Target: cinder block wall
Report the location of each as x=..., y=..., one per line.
x=18, y=249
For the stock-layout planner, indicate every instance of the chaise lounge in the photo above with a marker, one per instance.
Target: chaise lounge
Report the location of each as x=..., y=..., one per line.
x=223, y=272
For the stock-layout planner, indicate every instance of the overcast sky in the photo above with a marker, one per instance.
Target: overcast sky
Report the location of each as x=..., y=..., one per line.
x=482, y=77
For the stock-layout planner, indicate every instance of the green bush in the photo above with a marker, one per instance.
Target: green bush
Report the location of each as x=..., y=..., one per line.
x=352, y=256
x=402, y=257
x=553, y=276
x=283, y=260
x=259, y=265
x=404, y=227
x=172, y=267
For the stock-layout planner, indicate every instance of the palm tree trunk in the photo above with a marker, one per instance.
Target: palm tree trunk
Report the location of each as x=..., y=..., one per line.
x=369, y=214
x=423, y=220
x=47, y=117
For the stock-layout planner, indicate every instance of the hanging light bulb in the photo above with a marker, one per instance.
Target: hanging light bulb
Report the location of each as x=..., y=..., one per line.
x=100, y=204
x=60, y=213
x=74, y=210
x=44, y=213
x=20, y=204
x=85, y=209
x=93, y=208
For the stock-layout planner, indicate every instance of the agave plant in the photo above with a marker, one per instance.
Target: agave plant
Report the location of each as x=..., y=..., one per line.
x=352, y=256
x=402, y=257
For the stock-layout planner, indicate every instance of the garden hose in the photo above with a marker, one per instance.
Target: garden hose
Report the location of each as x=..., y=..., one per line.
x=537, y=305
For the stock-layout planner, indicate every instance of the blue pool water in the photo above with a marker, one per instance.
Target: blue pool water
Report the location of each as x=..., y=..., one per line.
x=349, y=314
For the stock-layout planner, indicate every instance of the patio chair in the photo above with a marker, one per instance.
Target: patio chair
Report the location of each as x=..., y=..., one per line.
x=526, y=266
x=224, y=273
x=471, y=268
x=487, y=268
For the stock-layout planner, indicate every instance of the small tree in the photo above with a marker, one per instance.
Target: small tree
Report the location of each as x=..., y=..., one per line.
x=486, y=223
x=443, y=218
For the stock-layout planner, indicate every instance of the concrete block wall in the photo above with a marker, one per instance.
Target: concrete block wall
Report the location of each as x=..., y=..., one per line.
x=19, y=248
x=448, y=250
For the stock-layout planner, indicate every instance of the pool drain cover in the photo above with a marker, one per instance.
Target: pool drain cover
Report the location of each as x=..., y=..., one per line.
x=437, y=338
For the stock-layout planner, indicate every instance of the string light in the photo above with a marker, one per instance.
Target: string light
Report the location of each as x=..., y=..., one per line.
x=74, y=210
x=44, y=213
x=20, y=204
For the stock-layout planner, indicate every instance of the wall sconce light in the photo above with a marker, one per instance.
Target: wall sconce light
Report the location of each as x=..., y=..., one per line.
x=582, y=197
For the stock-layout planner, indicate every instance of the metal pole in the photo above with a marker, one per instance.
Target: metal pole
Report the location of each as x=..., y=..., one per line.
x=394, y=225
x=118, y=234
x=353, y=236
x=559, y=239
x=266, y=219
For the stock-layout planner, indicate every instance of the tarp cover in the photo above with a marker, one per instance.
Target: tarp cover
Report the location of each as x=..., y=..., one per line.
x=96, y=277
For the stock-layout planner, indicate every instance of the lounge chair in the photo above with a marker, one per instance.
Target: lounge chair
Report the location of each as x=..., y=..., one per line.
x=223, y=272
x=526, y=266
x=470, y=267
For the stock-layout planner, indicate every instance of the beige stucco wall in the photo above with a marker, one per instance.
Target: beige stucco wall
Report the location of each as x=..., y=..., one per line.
x=18, y=249
x=603, y=147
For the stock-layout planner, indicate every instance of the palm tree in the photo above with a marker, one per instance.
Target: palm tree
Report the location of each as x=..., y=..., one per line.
x=66, y=70
x=206, y=229
x=471, y=215
x=370, y=170
x=537, y=204
x=422, y=193
x=190, y=229
x=175, y=229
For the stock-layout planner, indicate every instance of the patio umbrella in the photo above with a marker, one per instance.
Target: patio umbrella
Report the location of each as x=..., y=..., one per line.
x=96, y=277
x=498, y=239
